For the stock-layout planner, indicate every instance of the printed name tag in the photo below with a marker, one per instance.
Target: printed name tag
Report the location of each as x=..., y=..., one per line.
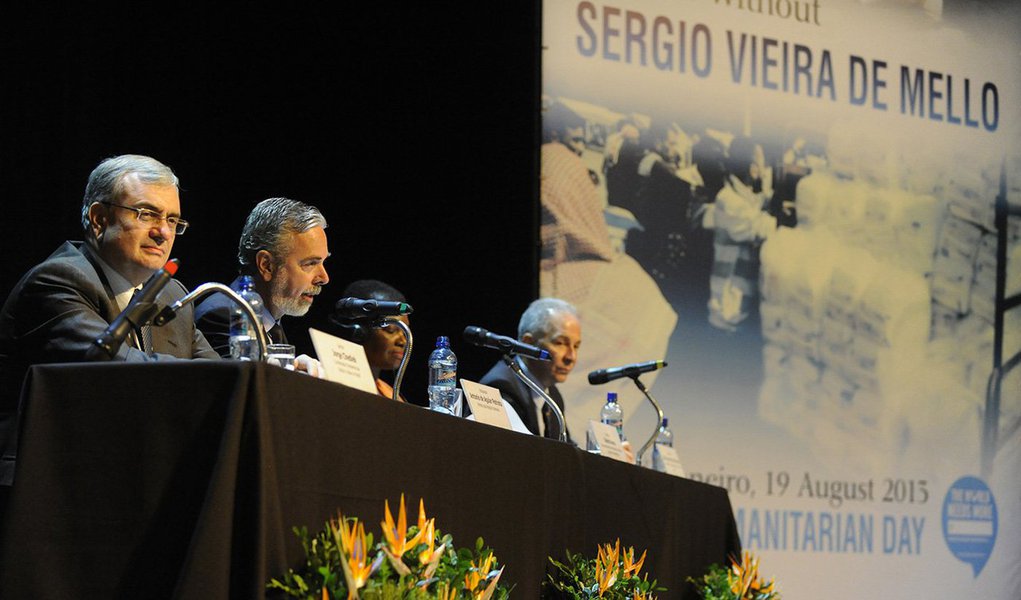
x=343, y=361
x=486, y=404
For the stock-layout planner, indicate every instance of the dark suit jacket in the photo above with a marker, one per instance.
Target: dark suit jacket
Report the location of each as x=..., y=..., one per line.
x=212, y=317
x=519, y=396
x=55, y=313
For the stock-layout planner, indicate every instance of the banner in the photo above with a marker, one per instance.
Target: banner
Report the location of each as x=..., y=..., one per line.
x=793, y=202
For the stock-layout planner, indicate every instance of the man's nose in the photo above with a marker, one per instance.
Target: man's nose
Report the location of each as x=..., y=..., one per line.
x=161, y=231
x=322, y=278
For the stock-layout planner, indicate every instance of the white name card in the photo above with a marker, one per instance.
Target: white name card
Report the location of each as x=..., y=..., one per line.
x=344, y=362
x=486, y=403
x=609, y=441
x=671, y=462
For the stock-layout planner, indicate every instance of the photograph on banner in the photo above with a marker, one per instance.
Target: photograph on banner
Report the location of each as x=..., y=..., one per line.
x=794, y=204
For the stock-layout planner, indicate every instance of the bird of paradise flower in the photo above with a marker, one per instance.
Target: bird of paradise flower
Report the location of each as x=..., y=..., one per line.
x=607, y=560
x=614, y=564
x=745, y=582
x=480, y=572
x=396, y=536
x=350, y=537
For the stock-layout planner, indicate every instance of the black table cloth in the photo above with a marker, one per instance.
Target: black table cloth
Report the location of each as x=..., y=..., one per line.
x=184, y=480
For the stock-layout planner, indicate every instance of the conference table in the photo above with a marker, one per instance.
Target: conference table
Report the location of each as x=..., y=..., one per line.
x=184, y=480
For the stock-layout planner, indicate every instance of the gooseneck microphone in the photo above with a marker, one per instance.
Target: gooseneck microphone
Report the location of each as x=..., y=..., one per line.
x=508, y=345
x=606, y=375
x=357, y=308
x=139, y=311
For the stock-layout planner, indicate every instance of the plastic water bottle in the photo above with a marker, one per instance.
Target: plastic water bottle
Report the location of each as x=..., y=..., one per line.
x=244, y=343
x=613, y=415
x=442, y=377
x=665, y=437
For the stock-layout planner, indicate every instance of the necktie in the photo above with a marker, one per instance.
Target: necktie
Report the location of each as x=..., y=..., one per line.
x=144, y=333
x=147, y=339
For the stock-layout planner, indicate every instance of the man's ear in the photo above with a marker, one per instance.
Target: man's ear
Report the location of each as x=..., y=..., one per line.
x=528, y=338
x=97, y=219
x=264, y=265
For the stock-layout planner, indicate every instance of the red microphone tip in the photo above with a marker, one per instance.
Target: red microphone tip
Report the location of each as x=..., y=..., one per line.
x=171, y=266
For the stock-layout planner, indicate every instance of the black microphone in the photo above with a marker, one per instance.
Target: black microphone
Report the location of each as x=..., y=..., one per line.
x=356, y=308
x=480, y=337
x=139, y=311
x=605, y=375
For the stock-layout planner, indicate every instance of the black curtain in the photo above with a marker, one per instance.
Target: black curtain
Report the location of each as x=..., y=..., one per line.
x=412, y=127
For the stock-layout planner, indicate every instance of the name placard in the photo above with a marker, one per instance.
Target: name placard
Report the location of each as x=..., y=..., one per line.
x=486, y=403
x=671, y=461
x=608, y=440
x=343, y=361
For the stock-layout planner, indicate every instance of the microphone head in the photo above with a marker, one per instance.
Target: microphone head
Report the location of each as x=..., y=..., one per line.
x=474, y=335
x=597, y=377
x=358, y=308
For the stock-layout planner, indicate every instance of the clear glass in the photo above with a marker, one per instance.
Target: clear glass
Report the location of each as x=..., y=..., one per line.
x=281, y=355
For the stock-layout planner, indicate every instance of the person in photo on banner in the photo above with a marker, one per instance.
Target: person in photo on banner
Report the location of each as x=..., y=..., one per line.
x=742, y=222
x=130, y=216
x=283, y=247
x=384, y=346
x=624, y=306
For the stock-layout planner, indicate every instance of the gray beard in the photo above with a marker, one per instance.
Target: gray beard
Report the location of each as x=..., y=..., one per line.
x=293, y=307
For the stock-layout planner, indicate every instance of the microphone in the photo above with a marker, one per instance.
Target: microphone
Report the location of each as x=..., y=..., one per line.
x=139, y=311
x=480, y=337
x=605, y=375
x=356, y=308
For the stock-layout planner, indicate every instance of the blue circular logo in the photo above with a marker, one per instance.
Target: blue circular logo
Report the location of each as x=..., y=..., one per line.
x=969, y=522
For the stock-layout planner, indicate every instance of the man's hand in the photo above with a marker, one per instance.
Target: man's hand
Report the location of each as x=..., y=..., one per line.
x=626, y=445
x=309, y=365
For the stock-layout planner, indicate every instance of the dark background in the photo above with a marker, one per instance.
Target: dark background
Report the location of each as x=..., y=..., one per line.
x=414, y=128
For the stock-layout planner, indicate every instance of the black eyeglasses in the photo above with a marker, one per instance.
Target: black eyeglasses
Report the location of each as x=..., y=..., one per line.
x=151, y=217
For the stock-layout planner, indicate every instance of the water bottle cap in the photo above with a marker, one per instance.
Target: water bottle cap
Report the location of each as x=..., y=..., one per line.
x=247, y=282
x=665, y=421
x=611, y=396
x=443, y=342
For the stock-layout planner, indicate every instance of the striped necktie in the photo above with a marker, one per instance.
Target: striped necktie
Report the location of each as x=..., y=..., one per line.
x=147, y=339
x=143, y=334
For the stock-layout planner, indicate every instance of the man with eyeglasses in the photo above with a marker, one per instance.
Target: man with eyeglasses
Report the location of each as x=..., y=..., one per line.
x=131, y=215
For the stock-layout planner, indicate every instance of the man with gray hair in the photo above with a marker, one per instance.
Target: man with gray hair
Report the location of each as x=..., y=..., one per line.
x=283, y=248
x=553, y=325
x=131, y=215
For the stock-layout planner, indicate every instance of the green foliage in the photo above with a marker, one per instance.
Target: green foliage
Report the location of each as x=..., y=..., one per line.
x=715, y=584
x=577, y=578
x=323, y=568
x=740, y=581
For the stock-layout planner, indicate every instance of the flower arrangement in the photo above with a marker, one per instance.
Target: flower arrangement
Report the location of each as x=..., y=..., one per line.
x=738, y=582
x=613, y=575
x=410, y=563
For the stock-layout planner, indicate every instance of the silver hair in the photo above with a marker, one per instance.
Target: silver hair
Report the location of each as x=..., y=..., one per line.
x=106, y=181
x=543, y=317
x=269, y=225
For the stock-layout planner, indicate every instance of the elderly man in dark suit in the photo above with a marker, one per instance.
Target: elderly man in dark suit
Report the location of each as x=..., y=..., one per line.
x=131, y=215
x=553, y=325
